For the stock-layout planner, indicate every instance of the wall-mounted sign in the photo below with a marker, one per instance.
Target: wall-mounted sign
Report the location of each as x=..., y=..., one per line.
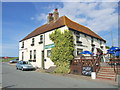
x=87, y=70
x=49, y=46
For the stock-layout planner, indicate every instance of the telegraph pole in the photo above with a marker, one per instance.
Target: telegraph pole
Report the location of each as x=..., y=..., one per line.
x=112, y=38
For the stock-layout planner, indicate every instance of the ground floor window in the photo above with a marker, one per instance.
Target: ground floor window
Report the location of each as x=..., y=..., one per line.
x=30, y=54
x=48, y=53
x=34, y=54
x=79, y=51
x=22, y=55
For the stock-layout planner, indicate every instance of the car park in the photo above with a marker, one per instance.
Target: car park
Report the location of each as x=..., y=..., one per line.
x=14, y=61
x=24, y=65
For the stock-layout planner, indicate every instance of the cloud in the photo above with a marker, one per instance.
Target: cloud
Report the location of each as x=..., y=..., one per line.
x=42, y=17
x=98, y=16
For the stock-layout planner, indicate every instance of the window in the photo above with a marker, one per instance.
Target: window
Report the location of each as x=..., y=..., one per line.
x=48, y=53
x=30, y=54
x=101, y=47
x=79, y=43
x=41, y=39
x=92, y=50
x=77, y=38
x=100, y=42
x=22, y=55
x=92, y=40
x=34, y=54
x=32, y=42
x=79, y=51
x=22, y=45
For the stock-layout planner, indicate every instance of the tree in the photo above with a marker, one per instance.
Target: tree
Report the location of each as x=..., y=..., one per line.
x=62, y=53
x=107, y=47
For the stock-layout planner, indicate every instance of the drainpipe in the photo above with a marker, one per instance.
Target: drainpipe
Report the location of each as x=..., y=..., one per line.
x=43, y=63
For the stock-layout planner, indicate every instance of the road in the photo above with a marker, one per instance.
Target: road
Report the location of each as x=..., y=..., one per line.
x=12, y=78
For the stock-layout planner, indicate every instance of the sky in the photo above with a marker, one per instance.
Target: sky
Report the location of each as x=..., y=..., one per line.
x=21, y=18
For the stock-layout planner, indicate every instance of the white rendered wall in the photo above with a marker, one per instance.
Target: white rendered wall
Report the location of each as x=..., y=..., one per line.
x=86, y=41
x=48, y=62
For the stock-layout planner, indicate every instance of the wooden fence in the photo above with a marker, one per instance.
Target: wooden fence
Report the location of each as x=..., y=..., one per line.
x=85, y=61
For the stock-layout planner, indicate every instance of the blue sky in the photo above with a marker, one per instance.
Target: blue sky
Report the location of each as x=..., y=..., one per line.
x=20, y=18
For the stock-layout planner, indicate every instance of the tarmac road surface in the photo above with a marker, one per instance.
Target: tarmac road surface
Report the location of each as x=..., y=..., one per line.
x=12, y=78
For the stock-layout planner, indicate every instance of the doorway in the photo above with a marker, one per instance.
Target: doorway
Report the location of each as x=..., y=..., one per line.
x=42, y=59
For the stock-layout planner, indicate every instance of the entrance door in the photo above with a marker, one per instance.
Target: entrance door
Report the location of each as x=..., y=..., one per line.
x=43, y=59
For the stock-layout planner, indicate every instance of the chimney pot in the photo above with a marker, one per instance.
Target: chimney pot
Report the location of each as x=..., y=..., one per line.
x=56, y=14
x=50, y=17
x=56, y=9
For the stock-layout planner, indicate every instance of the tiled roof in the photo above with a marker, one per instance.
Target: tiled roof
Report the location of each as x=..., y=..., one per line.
x=62, y=21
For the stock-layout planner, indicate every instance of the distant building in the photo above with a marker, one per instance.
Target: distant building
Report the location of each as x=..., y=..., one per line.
x=36, y=46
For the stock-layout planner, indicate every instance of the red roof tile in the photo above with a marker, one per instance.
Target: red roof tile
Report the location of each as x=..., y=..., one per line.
x=62, y=21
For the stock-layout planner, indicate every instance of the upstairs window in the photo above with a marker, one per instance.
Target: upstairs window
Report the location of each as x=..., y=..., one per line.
x=30, y=54
x=22, y=45
x=92, y=40
x=34, y=54
x=41, y=39
x=33, y=41
x=77, y=38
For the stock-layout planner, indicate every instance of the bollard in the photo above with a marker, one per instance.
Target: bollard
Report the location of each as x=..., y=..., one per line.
x=93, y=75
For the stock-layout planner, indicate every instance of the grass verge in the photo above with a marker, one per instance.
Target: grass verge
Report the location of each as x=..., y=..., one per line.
x=8, y=59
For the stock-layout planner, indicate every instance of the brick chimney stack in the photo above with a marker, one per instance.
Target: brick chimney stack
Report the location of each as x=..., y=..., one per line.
x=50, y=17
x=56, y=14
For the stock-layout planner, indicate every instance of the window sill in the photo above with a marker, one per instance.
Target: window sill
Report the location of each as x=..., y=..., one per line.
x=22, y=47
x=32, y=44
x=40, y=42
x=32, y=60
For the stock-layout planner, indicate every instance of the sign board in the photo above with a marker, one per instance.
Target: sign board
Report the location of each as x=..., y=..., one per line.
x=87, y=70
x=49, y=46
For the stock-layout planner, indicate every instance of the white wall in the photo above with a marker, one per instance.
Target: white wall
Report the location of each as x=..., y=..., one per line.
x=27, y=47
x=48, y=62
x=86, y=41
x=38, y=47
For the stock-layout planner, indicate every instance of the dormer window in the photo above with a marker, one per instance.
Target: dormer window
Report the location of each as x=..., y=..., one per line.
x=32, y=42
x=41, y=39
x=22, y=45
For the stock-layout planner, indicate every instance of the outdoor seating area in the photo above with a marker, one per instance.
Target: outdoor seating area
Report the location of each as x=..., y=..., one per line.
x=88, y=62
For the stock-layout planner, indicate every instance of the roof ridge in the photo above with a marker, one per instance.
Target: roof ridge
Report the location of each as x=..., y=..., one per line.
x=64, y=19
x=61, y=21
x=82, y=26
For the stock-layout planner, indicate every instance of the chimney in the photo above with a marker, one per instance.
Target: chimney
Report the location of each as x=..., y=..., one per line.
x=56, y=14
x=50, y=17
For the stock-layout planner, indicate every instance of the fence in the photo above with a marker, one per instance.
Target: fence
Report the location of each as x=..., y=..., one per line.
x=77, y=65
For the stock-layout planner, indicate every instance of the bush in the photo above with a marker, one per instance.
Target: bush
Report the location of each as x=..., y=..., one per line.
x=62, y=53
x=62, y=67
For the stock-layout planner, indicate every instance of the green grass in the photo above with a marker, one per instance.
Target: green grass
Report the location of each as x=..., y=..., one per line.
x=7, y=60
